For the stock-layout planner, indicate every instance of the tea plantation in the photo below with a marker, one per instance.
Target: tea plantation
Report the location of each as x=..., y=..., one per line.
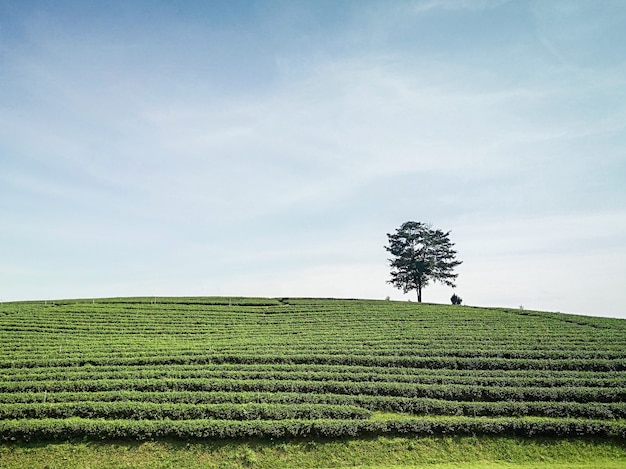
x=224, y=368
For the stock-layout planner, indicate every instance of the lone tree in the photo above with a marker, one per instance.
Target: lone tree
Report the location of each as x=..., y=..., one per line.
x=421, y=254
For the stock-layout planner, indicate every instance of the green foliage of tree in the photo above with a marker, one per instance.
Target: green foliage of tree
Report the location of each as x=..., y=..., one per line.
x=421, y=254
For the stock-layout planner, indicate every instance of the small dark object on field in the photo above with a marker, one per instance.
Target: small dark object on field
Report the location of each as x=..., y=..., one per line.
x=456, y=300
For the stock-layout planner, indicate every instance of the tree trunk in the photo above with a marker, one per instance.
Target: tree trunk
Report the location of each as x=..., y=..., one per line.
x=419, y=293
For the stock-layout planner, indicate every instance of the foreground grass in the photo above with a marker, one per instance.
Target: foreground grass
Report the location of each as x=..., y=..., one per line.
x=380, y=452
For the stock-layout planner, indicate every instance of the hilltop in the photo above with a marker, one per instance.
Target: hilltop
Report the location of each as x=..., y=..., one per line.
x=201, y=369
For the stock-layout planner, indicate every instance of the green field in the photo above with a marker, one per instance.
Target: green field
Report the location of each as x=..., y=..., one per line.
x=183, y=373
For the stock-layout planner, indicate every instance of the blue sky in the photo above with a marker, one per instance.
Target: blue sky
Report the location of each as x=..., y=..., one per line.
x=266, y=148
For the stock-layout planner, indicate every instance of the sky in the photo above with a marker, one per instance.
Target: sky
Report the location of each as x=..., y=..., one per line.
x=266, y=148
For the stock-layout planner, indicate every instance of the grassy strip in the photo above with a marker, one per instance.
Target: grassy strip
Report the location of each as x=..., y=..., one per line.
x=381, y=452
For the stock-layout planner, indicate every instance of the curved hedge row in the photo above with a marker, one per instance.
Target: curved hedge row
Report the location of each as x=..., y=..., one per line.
x=450, y=392
x=64, y=429
x=266, y=372
x=191, y=403
x=450, y=363
x=157, y=411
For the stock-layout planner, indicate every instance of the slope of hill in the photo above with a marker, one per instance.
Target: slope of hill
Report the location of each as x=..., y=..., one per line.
x=218, y=368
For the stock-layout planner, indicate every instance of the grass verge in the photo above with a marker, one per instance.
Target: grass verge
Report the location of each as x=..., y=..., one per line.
x=381, y=453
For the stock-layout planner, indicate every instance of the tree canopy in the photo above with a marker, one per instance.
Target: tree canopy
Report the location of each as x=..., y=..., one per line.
x=421, y=254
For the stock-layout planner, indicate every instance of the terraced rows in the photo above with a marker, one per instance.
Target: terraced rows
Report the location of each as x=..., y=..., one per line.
x=236, y=367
